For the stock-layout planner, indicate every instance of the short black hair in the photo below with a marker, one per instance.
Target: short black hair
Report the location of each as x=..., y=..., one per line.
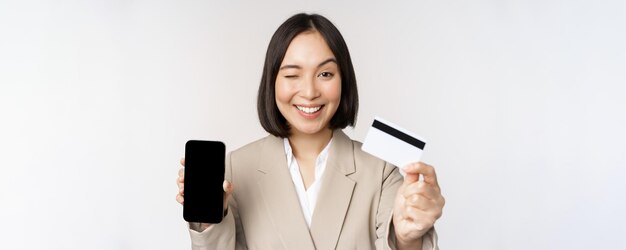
x=270, y=117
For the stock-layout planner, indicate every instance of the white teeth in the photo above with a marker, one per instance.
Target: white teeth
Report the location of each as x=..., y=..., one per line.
x=309, y=110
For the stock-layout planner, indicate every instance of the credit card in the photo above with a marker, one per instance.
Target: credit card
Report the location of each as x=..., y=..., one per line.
x=393, y=144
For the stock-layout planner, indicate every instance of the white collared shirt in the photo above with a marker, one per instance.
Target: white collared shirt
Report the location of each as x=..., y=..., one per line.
x=307, y=197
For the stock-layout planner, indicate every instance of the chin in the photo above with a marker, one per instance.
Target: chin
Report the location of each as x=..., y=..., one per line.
x=309, y=130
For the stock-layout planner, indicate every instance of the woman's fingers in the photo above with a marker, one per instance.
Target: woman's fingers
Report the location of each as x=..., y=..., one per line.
x=427, y=206
x=180, y=182
x=427, y=171
x=419, y=202
x=420, y=219
x=424, y=219
x=424, y=197
x=180, y=199
x=420, y=188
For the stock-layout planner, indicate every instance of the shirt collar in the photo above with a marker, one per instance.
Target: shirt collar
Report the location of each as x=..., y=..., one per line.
x=321, y=158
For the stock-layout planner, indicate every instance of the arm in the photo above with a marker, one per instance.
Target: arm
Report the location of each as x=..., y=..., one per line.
x=390, y=184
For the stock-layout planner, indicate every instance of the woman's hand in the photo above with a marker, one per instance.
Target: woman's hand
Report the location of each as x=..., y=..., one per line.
x=417, y=206
x=180, y=197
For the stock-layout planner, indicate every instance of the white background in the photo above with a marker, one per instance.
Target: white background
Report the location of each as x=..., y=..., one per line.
x=523, y=104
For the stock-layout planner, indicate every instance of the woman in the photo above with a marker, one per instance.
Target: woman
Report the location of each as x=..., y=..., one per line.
x=307, y=185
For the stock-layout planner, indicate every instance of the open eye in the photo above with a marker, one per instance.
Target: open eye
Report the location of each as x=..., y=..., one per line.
x=326, y=74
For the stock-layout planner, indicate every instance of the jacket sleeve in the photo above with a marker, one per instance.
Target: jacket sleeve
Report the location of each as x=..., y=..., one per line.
x=385, y=234
x=429, y=240
x=227, y=234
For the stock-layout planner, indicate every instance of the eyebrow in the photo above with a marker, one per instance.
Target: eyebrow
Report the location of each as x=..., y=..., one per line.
x=291, y=66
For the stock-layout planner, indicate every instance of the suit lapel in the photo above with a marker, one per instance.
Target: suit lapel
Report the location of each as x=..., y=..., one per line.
x=281, y=199
x=335, y=194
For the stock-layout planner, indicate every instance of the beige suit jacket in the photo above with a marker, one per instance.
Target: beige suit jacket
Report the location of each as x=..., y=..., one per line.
x=353, y=209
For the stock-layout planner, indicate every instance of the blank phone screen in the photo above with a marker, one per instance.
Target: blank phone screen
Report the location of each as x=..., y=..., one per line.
x=204, y=176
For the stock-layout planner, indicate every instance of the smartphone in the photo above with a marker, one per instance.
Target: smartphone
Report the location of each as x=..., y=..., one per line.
x=204, y=176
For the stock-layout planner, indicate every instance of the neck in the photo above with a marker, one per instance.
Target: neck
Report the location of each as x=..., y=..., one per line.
x=309, y=145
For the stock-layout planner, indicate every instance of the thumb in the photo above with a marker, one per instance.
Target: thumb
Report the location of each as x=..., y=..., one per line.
x=410, y=176
x=228, y=187
x=228, y=190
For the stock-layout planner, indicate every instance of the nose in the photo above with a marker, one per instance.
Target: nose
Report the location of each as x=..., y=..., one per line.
x=309, y=89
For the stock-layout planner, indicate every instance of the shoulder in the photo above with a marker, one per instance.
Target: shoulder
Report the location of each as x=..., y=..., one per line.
x=360, y=154
x=253, y=152
x=355, y=149
x=376, y=174
x=365, y=159
x=253, y=148
x=362, y=160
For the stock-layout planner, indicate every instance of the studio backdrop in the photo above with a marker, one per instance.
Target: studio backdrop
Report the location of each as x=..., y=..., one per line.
x=523, y=104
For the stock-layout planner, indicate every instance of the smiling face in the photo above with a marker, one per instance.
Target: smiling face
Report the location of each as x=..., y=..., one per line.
x=308, y=84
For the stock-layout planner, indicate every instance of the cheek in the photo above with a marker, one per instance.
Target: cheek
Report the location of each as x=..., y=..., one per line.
x=282, y=92
x=333, y=92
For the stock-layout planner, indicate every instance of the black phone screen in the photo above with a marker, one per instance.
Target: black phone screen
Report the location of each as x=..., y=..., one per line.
x=204, y=176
